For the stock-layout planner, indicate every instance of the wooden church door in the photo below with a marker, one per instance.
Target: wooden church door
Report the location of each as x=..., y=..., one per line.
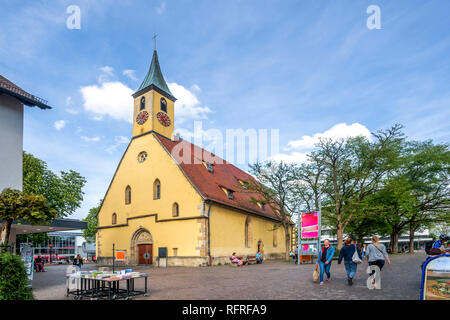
x=145, y=253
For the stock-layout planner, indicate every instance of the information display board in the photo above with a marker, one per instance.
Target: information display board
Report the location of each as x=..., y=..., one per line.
x=310, y=225
x=436, y=278
x=27, y=253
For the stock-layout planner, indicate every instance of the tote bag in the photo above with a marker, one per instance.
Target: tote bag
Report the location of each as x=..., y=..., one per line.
x=355, y=257
x=316, y=274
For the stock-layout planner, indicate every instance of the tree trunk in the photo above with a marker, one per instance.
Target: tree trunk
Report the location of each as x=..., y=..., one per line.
x=6, y=230
x=339, y=237
x=394, y=242
x=411, y=238
x=287, y=241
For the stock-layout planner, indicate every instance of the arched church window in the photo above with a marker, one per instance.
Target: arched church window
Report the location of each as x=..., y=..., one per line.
x=275, y=235
x=175, y=210
x=114, y=218
x=163, y=105
x=128, y=195
x=142, y=103
x=156, y=190
x=248, y=232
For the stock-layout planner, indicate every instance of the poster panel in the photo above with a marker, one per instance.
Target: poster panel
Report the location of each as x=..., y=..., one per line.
x=27, y=253
x=120, y=255
x=436, y=278
x=310, y=225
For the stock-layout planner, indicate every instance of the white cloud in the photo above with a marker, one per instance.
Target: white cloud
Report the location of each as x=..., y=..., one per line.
x=341, y=130
x=195, y=87
x=119, y=140
x=109, y=98
x=130, y=74
x=307, y=143
x=59, y=124
x=93, y=139
x=187, y=106
x=69, y=101
x=107, y=73
x=161, y=8
x=293, y=157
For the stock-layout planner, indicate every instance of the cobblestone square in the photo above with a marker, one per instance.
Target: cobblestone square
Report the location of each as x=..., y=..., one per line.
x=273, y=280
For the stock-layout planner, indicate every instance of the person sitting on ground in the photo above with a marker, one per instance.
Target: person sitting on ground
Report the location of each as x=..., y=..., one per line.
x=237, y=260
x=259, y=258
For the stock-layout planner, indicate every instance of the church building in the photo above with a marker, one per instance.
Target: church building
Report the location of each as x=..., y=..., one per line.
x=194, y=212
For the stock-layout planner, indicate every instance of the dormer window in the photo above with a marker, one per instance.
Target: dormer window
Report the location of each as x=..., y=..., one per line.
x=263, y=206
x=244, y=184
x=228, y=192
x=142, y=103
x=209, y=166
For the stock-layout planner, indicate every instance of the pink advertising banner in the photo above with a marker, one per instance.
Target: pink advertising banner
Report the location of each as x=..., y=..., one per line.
x=310, y=225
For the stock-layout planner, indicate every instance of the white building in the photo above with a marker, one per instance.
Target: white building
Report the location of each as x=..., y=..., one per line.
x=12, y=102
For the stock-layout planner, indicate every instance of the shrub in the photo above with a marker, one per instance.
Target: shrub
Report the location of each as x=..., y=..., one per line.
x=14, y=283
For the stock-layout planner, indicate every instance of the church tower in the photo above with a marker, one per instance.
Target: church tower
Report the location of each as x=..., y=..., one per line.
x=154, y=104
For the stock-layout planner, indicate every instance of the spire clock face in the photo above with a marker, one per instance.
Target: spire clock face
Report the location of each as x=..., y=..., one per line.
x=142, y=117
x=163, y=119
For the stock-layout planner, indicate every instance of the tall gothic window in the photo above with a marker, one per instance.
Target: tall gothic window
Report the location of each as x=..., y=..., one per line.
x=175, y=210
x=164, y=105
x=156, y=190
x=142, y=103
x=275, y=235
x=248, y=232
x=114, y=218
x=128, y=195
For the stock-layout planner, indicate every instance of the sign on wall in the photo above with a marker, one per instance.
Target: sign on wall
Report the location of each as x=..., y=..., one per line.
x=310, y=225
x=120, y=255
x=436, y=278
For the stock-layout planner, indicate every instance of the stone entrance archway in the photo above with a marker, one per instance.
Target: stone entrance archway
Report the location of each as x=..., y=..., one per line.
x=140, y=237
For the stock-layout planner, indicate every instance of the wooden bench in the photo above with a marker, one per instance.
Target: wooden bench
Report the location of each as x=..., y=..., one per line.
x=244, y=262
x=251, y=259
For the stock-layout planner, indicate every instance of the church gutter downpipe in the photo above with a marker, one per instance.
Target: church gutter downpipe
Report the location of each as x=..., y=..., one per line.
x=209, y=234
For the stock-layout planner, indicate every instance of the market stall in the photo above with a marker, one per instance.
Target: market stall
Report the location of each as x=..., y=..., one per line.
x=104, y=284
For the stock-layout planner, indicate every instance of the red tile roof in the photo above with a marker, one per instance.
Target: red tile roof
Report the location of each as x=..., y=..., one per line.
x=208, y=183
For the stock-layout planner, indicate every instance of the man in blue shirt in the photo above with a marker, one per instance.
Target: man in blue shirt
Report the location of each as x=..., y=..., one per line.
x=439, y=244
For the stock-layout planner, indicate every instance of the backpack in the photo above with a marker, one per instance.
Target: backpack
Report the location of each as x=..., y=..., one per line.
x=428, y=247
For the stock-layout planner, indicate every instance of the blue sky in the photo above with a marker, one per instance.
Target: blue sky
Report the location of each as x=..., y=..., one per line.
x=307, y=68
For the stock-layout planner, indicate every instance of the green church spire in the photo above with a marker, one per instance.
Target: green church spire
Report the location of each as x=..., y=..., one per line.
x=155, y=78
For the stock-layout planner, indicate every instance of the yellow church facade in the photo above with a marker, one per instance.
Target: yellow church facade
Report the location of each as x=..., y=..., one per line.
x=193, y=213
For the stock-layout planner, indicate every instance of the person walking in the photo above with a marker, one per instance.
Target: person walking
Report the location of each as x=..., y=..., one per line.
x=440, y=243
x=78, y=261
x=347, y=253
x=324, y=260
x=376, y=254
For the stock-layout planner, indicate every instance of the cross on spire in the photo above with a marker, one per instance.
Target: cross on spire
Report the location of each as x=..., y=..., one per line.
x=154, y=41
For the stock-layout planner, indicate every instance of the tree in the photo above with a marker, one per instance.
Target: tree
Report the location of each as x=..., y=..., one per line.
x=14, y=283
x=35, y=238
x=416, y=192
x=273, y=186
x=16, y=205
x=92, y=223
x=353, y=169
x=63, y=193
